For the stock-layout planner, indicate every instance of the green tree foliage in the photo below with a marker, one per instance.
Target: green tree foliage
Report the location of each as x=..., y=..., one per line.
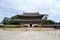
x=13, y=21
x=15, y=17
x=48, y=22
x=6, y=21
x=59, y=22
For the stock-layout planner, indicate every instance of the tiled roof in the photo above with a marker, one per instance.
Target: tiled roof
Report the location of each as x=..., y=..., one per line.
x=32, y=14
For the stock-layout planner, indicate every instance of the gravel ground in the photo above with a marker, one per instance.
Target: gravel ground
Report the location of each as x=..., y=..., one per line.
x=30, y=35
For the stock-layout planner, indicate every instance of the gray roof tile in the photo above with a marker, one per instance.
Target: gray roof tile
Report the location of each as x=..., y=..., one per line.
x=31, y=14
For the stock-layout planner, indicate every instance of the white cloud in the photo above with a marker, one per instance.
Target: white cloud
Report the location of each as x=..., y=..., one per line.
x=50, y=7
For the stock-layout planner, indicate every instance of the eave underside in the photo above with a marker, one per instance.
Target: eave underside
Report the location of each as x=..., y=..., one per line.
x=30, y=21
x=40, y=16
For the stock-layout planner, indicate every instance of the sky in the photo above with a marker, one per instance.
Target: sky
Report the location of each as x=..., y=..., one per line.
x=9, y=8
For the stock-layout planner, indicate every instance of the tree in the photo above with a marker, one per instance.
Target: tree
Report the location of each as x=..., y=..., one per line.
x=48, y=22
x=11, y=20
x=15, y=17
x=14, y=22
x=6, y=21
x=59, y=22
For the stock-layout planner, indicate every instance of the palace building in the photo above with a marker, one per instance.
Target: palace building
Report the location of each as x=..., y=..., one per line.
x=31, y=19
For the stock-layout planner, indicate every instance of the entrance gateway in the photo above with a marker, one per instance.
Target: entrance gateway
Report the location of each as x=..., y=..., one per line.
x=30, y=25
x=31, y=17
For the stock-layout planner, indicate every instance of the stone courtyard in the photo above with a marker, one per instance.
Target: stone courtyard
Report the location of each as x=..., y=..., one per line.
x=29, y=35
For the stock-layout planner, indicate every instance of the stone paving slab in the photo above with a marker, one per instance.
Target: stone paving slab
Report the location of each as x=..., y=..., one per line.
x=30, y=35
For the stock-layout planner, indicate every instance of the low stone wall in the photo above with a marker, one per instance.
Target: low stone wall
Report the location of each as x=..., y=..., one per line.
x=28, y=29
x=42, y=25
x=56, y=26
x=40, y=28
